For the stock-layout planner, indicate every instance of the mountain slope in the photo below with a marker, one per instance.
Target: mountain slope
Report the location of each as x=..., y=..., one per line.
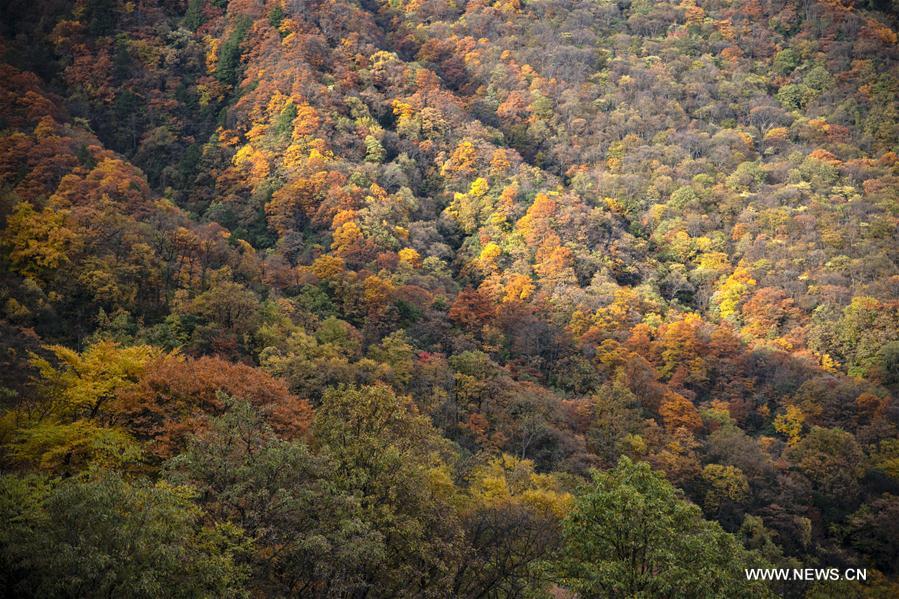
x=568, y=231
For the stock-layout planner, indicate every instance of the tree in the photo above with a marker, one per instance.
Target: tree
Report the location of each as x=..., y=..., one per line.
x=873, y=529
x=860, y=336
x=789, y=423
x=732, y=291
x=724, y=485
x=511, y=521
x=284, y=497
x=616, y=414
x=374, y=151
x=85, y=383
x=833, y=462
x=471, y=309
x=227, y=69
x=225, y=317
x=174, y=394
x=396, y=354
x=631, y=534
x=71, y=424
x=390, y=457
x=101, y=536
x=677, y=412
x=38, y=241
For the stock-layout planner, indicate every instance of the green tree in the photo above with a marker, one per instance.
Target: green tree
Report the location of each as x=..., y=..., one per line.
x=310, y=536
x=398, y=357
x=392, y=459
x=724, y=485
x=374, y=151
x=631, y=534
x=785, y=61
x=103, y=536
x=873, y=530
x=193, y=18
x=228, y=67
x=834, y=463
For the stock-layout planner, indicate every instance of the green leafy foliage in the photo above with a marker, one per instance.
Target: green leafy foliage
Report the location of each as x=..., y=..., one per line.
x=631, y=535
x=103, y=535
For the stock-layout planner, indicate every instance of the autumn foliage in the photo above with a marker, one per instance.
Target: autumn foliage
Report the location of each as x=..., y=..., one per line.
x=415, y=298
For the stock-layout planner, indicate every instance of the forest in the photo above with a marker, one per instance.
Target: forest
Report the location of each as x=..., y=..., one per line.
x=515, y=299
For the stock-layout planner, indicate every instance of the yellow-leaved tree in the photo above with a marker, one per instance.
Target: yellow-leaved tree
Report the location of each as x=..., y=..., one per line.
x=70, y=425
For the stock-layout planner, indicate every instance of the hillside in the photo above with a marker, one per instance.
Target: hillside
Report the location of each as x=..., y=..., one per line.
x=427, y=298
